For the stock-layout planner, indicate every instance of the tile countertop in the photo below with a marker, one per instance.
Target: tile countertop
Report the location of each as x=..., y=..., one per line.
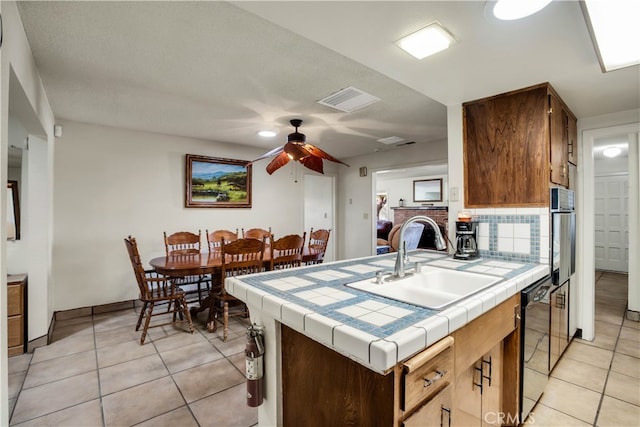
x=375, y=331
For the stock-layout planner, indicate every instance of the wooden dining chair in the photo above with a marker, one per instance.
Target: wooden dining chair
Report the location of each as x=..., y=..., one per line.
x=155, y=290
x=257, y=233
x=214, y=239
x=187, y=243
x=286, y=252
x=317, y=246
x=242, y=256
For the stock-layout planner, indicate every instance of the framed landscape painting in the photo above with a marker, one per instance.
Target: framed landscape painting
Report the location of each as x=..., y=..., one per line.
x=217, y=183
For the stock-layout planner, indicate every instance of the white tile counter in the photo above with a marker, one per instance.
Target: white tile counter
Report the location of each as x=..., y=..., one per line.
x=373, y=330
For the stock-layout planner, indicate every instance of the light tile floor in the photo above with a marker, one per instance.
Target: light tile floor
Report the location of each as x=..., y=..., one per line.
x=95, y=373
x=597, y=383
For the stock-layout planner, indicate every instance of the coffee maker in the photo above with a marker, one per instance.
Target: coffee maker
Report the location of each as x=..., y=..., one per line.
x=466, y=240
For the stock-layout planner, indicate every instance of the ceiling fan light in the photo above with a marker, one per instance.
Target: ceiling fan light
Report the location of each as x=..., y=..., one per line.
x=612, y=151
x=509, y=10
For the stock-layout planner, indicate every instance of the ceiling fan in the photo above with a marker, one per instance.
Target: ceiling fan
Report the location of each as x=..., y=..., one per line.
x=299, y=150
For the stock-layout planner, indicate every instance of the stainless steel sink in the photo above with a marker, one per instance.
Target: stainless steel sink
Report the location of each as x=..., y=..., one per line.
x=432, y=287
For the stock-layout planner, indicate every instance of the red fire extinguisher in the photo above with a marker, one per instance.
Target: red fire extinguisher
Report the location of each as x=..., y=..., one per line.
x=254, y=352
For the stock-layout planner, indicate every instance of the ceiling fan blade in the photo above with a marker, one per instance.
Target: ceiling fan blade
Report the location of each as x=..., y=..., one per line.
x=314, y=163
x=279, y=161
x=296, y=151
x=271, y=153
x=315, y=151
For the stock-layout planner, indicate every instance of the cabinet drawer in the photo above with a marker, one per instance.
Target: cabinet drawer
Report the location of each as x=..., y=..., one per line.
x=427, y=373
x=14, y=300
x=15, y=331
x=436, y=412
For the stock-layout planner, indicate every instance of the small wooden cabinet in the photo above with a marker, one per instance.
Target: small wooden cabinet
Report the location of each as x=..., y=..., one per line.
x=515, y=145
x=17, y=313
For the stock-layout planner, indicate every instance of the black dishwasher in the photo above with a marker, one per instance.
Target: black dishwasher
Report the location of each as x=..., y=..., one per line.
x=534, y=344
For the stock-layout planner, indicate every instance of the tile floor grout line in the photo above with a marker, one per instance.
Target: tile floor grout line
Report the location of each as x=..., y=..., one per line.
x=613, y=355
x=95, y=345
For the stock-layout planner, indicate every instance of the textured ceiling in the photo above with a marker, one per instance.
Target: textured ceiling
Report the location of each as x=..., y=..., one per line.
x=222, y=71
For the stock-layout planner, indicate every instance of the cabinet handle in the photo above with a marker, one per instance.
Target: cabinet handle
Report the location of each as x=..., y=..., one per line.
x=489, y=363
x=444, y=410
x=479, y=369
x=560, y=300
x=438, y=375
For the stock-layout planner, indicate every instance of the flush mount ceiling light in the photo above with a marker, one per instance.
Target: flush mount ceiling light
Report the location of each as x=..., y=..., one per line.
x=508, y=10
x=612, y=151
x=614, y=31
x=425, y=42
x=267, y=133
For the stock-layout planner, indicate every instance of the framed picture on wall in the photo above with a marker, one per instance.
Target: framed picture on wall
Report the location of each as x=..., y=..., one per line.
x=212, y=182
x=13, y=211
x=427, y=190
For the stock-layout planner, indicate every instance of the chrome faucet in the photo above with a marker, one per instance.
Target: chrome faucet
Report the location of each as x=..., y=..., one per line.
x=402, y=257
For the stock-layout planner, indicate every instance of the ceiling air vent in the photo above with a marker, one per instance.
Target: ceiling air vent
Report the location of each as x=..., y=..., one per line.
x=349, y=99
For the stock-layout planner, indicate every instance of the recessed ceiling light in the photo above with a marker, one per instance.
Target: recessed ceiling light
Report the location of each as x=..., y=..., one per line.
x=612, y=151
x=425, y=42
x=267, y=133
x=615, y=32
x=508, y=10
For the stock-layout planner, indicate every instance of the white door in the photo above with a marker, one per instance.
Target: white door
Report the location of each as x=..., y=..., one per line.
x=319, y=208
x=611, y=222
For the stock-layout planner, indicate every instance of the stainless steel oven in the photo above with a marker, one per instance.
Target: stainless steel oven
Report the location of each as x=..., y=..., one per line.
x=534, y=344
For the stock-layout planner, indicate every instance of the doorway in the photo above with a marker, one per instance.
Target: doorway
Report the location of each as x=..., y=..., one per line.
x=586, y=224
x=319, y=208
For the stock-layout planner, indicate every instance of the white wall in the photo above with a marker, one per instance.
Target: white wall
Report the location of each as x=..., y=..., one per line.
x=402, y=188
x=111, y=183
x=356, y=194
x=16, y=61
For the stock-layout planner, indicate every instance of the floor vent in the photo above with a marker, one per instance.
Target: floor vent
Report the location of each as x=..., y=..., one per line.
x=349, y=99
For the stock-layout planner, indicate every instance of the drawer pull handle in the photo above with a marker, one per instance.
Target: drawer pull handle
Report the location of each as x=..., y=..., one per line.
x=436, y=377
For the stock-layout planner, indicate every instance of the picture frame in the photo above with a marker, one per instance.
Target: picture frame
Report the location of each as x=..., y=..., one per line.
x=13, y=211
x=213, y=182
x=427, y=190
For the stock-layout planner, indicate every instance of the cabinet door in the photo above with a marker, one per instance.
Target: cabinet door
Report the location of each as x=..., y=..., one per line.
x=467, y=408
x=559, y=332
x=492, y=387
x=573, y=140
x=506, y=150
x=558, y=126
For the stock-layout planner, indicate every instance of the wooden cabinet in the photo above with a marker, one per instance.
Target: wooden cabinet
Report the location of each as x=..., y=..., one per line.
x=16, y=313
x=515, y=145
x=478, y=391
x=436, y=412
x=321, y=387
x=426, y=391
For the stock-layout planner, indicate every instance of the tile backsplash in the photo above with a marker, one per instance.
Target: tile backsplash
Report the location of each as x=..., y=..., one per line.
x=516, y=234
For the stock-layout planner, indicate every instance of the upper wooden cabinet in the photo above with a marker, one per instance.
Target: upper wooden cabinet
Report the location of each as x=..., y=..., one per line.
x=515, y=144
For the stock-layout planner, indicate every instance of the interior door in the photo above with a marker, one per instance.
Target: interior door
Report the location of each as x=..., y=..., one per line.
x=319, y=208
x=611, y=223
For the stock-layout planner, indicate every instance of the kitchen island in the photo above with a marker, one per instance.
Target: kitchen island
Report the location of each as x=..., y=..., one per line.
x=352, y=332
